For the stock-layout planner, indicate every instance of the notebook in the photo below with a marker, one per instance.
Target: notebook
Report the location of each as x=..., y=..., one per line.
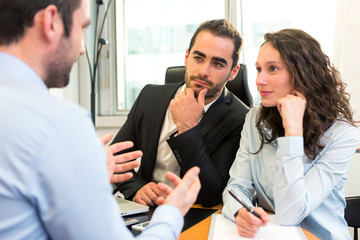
x=222, y=228
x=127, y=207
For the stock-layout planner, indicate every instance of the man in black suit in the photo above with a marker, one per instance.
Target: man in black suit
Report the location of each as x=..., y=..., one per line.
x=178, y=126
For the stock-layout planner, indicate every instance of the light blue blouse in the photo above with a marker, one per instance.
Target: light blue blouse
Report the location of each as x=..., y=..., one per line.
x=300, y=191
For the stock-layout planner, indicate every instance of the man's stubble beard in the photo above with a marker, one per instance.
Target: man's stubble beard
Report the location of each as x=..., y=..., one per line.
x=59, y=66
x=213, y=89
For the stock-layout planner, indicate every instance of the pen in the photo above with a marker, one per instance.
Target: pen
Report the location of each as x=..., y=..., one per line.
x=248, y=207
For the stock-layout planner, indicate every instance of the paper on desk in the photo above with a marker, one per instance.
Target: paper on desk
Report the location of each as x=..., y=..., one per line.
x=222, y=228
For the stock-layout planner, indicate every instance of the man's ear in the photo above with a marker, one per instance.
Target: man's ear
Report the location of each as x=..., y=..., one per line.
x=234, y=72
x=186, y=57
x=52, y=25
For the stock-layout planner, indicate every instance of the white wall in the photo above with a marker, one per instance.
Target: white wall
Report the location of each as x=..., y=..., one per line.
x=347, y=50
x=346, y=59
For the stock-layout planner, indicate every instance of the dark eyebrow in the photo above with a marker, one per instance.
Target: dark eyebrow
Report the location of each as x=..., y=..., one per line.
x=199, y=53
x=218, y=59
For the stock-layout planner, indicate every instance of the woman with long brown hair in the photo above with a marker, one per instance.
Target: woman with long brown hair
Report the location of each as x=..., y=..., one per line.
x=296, y=147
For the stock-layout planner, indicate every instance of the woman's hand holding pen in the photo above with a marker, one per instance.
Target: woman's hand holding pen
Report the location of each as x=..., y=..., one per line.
x=292, y=108
x=248, y=224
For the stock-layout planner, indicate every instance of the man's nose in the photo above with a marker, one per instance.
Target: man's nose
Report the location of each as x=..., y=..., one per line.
x=82, y=47
x=205, y=69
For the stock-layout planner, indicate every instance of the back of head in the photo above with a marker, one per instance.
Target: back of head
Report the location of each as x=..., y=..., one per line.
x=18, y=15
x=221, y=28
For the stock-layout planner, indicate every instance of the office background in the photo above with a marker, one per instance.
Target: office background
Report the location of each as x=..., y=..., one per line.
x=145, y=37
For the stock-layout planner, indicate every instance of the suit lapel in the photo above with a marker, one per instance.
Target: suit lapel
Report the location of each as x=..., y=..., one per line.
x=161, y=101
x=215, y=113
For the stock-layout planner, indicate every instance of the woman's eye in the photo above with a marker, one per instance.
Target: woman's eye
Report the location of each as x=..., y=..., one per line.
x=272, y=69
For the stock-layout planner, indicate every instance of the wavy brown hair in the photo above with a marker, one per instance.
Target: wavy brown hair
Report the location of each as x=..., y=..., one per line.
x=316, y=78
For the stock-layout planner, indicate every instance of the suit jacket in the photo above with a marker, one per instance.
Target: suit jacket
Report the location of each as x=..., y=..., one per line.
x=211, y=145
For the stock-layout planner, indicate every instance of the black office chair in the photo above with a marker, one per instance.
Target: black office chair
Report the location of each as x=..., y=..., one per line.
x=352, y=214
x=238, y=86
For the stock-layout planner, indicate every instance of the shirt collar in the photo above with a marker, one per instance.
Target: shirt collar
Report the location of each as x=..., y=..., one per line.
x=14, y=68
x=267, y=132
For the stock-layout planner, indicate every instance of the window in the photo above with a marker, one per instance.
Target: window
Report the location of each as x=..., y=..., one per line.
x=153, y=35
x=150, y=36
x=262, y=16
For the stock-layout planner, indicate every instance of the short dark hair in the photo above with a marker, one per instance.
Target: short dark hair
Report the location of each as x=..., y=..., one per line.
x=17, y=15
x=221, y=28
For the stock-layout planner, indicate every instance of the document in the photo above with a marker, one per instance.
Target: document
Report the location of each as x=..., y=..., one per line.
x=222, y=228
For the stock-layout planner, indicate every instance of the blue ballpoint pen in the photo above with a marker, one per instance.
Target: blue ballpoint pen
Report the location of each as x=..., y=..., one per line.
x=248, y=207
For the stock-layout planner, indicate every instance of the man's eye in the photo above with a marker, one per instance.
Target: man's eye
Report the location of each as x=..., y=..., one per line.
x=219, y=65
x=197, y=58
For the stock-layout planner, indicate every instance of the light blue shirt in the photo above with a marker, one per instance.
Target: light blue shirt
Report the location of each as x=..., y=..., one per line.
x=300, y=191
x=53, y=177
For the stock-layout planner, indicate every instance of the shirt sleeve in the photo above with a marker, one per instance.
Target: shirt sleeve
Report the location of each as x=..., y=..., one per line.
x=240, y=175
x=299, y=189
x=166, y=223
x=72, y=191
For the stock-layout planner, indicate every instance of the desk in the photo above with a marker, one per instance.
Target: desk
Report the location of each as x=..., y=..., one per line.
x=200, y=231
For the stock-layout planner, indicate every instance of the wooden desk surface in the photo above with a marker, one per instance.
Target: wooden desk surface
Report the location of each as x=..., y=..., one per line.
x=200, y=231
